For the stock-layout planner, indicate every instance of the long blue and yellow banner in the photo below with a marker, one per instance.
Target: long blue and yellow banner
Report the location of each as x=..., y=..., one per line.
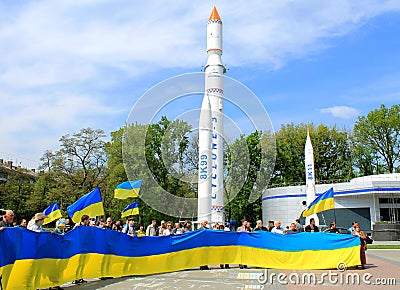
x=30, y=260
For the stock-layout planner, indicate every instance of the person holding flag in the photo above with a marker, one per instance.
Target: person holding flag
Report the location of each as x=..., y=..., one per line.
x=52, y=212
x=132, y=209
x=37, y=226
x=129, y=228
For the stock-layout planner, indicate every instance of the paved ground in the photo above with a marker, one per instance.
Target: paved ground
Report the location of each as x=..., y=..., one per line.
x=382, y=264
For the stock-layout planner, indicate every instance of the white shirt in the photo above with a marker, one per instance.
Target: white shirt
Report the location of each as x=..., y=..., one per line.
x=167, y=232
x=276, y=230
x=129, y=230
x=151, y=230
x=34, y=227
x=178, y=231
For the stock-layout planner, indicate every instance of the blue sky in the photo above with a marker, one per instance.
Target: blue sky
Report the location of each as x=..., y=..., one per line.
x=67, y=65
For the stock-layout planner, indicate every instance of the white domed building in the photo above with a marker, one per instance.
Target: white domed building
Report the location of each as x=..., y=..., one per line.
x=367, y=200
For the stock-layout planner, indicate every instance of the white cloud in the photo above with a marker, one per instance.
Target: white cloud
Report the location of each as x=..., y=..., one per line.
x=51, y=43
x=341, y=112
x=277, y=31
x=33, y=123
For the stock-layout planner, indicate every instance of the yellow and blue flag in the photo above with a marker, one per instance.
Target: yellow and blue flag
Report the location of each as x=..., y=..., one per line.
x=90, y=204
x=132, y=209
x=324, y=202
x=52, y=212
x=52, y=260
x=128, y=189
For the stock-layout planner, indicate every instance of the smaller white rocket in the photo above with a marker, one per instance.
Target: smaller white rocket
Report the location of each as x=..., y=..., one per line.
x=310, y=176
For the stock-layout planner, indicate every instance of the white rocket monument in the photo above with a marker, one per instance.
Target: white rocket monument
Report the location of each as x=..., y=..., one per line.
x=211, y=174
x=310, y=176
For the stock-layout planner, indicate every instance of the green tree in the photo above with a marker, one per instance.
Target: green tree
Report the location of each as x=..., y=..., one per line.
x=16, y=192
x=166, y=144
x=379, y=134
x=254, y=155
x=76, y=168
x=289, y=165
x=159, y=154
x=364, y=159
x=117, y=175
x=332, y=153
x=83, y=158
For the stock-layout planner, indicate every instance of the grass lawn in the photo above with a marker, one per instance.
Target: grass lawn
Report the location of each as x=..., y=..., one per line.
x=391, y=247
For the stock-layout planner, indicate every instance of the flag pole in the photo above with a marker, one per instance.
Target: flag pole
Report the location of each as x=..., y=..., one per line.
x=323, y=216
x=334, y=214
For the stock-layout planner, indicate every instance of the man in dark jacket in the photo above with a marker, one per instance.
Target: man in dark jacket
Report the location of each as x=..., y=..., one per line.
x=311, y=228
x=333, y=229
x=260, y=226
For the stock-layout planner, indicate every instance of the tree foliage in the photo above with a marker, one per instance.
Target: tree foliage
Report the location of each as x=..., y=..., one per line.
x=16, y=192
x=332, y=153
x=75, y=169
x=377, y=136
x=244, y=159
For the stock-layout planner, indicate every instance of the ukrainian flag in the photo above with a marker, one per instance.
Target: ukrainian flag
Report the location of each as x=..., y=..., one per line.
x=90, y=204
x=324, y=202
x=132, y=209
x=128, y=189
x=52, y=212
x=52, y=260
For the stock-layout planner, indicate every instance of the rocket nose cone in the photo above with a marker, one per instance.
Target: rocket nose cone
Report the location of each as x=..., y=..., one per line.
x=214, y=15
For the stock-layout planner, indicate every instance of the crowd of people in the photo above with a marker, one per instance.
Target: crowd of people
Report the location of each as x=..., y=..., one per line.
x=130, y=228
x=169, y=228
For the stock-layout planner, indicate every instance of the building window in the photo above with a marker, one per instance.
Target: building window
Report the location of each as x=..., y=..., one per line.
x=390, y=214
x=389, y=200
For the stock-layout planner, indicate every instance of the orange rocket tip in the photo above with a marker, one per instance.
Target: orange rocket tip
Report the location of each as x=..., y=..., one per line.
x=214, y=15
